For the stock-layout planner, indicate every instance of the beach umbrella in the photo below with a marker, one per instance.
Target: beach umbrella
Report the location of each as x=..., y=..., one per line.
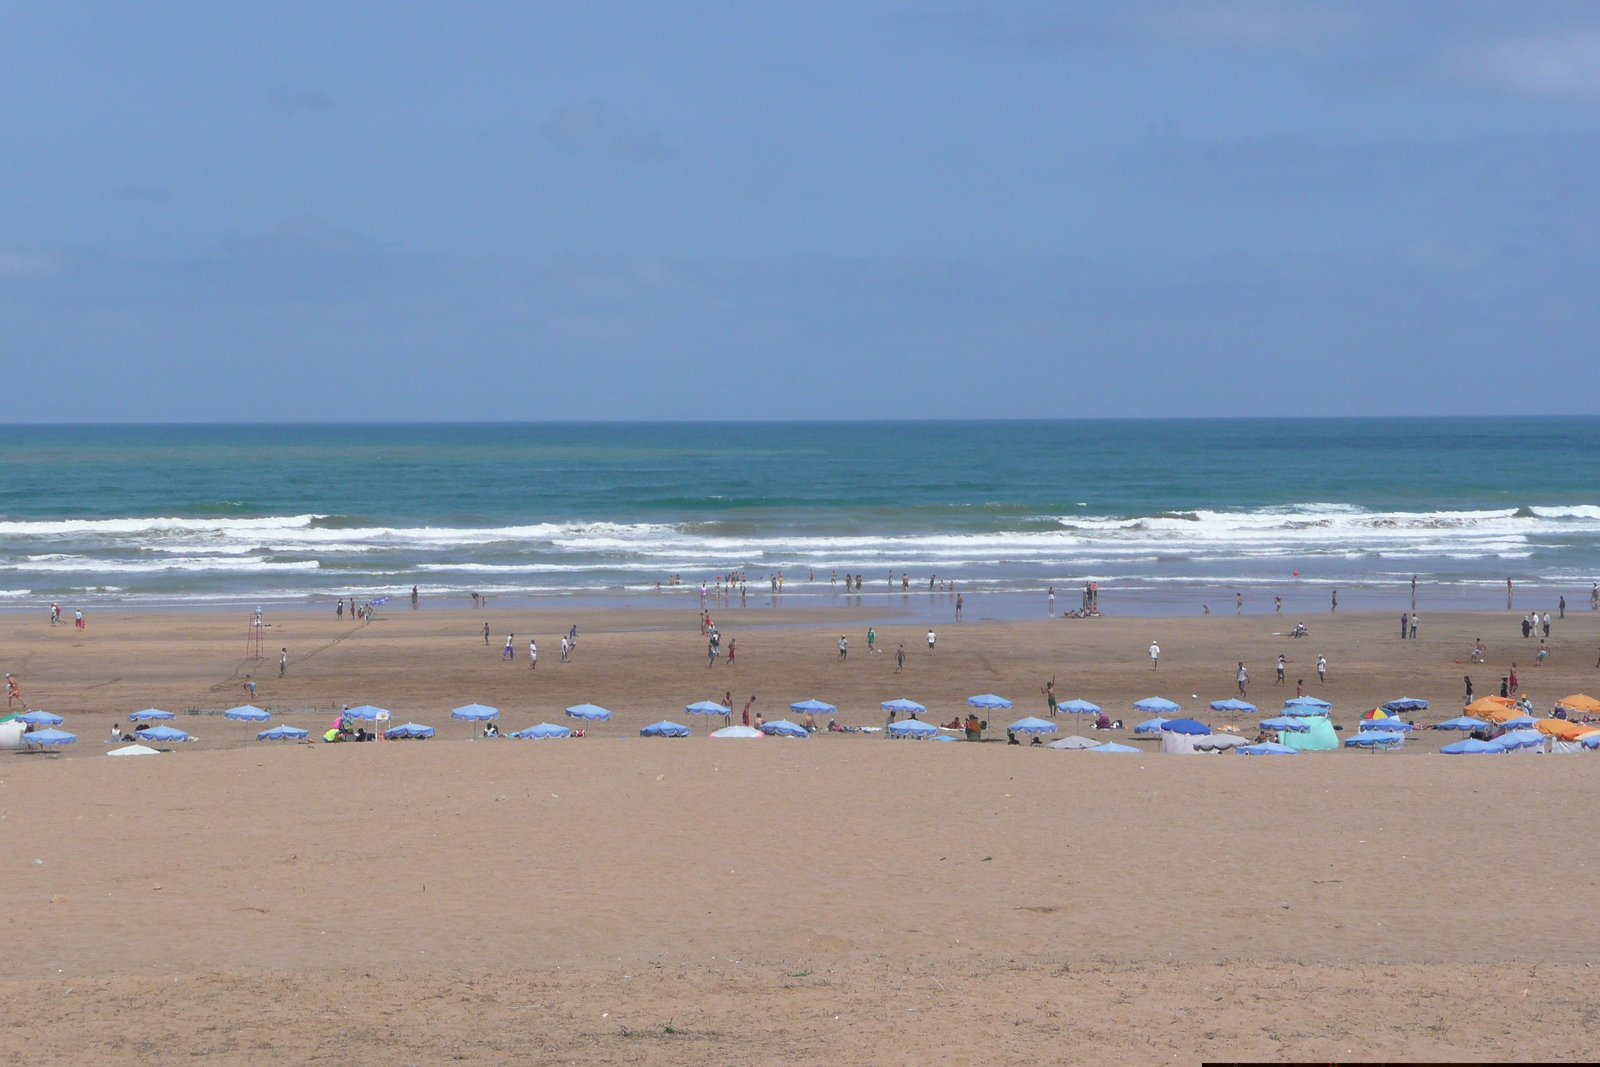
x=1590, y=740
x=149, y=713
x=941, y=737
x=1579, y=702
x=1374, y=739
x=663, y=729
x=912, y=728
x=1156, y=705
x=41, y=718
x=1150, y=726
x=49, y=737
x=1219, y=743
x=1185, y=726
x=1471, y=746
x=705, y=707
x=1520, y=722
x=588, y=711
x=247, y=713
x=737, y=731
x=815, y=707
x=1112, y=746
x=1462, y=722
x=544, y=730
x=1285, y=722
x=1079, y=707
x=1073, y=742
x=1406, y=704
x=365, y=711
x=785, y=728
x=1266, y=748
x=903, y=706
x=283, y=732
x=1565, y=729
x=1307, y=702
x=162, y=733
x=1384, y=726
x=135, y=750
x=989, y=700
x=475, y=712
x=1232, y=705
x=406, y=730
x=1031, y=725
x=1521, y=739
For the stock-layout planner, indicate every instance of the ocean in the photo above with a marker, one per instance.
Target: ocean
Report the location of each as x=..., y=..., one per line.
x=1165, y=515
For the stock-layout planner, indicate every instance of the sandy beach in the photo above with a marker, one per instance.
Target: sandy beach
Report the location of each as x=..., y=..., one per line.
x=840, y=899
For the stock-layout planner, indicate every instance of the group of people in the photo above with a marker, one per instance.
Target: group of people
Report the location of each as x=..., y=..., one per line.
x=56, y=620
x=569, y=643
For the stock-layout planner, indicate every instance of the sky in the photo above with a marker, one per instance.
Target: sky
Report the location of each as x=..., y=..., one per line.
x=862, y=210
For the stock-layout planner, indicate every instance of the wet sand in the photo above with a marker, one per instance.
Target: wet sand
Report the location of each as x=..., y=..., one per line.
x=839, y=899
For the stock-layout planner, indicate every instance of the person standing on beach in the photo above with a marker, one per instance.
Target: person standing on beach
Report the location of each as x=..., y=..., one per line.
x=1403, y=625
x=338, y=609
x=1282, y=662
x=747, y=704
x=1508, y=594
x=13, y=691
x=1244, y=679
x=1238, y=603
x=413, y=598
x=844, y=647
x=1544, y=650
x=533, y=655
x=900, y=659
x=1512, y=680
x=932, y=637
x=727, y=695
x=1277, y=605
x=485, y=635
x=1468, y=679
x=1561, y=605
x=1050, y=601
x=1413, y=626
x=1335, y=608
x=283, y=661
x=872, y=640
x=1155, y=655
x=959, y=604
x=1050, y=697
x=565, y=648
x=1546, y=624
x=509, y=652
x=711, y=651
x=1322, y=667
x=77, y=620
x=733, y=644
x=1413, y=592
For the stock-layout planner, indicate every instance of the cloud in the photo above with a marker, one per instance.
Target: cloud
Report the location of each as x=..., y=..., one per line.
x=140, y=194
x=592, y=128
x=288, y=100
x=1557, y=64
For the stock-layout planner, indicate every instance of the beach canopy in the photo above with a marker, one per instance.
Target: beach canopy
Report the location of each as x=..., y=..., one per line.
x=912, y=728
x=1079, y=707
x=989, y=700
x=283, y=732
x=904, y=706
x=1218, y=742
x=161, y=733
x=663, y=729
x=1306, y=702
x=1520, y=722
x=49, y=737
x=1579, y=702
x=135, y=750
x=365, y=711
x=1266, y=748
x=543, y=730
x=737, y=731
x=1285, y=722
x=815, y=707
x=1155, y=705
x=1185, y=726
x=1471, y=746
x=150, y=713
x=1521, y=739
x=247, y=713
x=704, y=707
x=588, y=711
x=1112, y=746
x=1374, y=738
x=1384, y=726
x=785, y=728
x=408, y=729
x=1565, y=729
x=1461, y=722
x=41, y=718
x=1073, y=742
x=1231, y=705
x=1486, y=706
x=1590, y=740
x=1406, y=704
x=475, y=712
x=1150, y=726
x=1031, y=725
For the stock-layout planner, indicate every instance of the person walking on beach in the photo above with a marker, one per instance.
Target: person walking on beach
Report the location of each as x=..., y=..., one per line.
x=746, y=716
x=872, y=640
x=283, y=661
x=1546, y=624
x=1561, y=605
x=900, y=659
x=844, y=647
x=1050, y=600
x=959, y=603
x=1544, y=650
x=1322, y=667
x=1244, y=679
x=932, y=637
x=733, y=644
x=1277, y=605
x=77, y=620
x=13, y=692
x=1282, y=662
x=485, y=635
x=533, y=655
x=1155, y=655
x=1512, y=679
x=711, y=651
x=1413, y=626
x=509, y=652
x=1238, y=603
x=413, y=598
x=1050, y=697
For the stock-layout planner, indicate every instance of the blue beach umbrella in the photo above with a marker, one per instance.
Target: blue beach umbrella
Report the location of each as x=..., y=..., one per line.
x=49, y=737
x=408, y=730
x=1185, y=726
x=588, y=711
x=41, y=718
x=989, y=700
x=246, y=713
x=1156, y=706
x=1079, y=707
x=1406, y=704
x=283, y=732
x=1150, y=726
x=785, y=728
x=903, y=706
x=475, y=712
x=149, y=713
x=1232, y=705
x=544, y=730
x=1266, y=748
x=1590, y=741
x=815, y=707
x=1461, y=722
x=1390, y=726
x=160, y=733
x=1307, y=702
x=912, y=728
x=1374, y=739
x=1285, y=722
x=1112, y=746
x=663, y=729
x=365, y=711
x=1031, y=725
x=1521, y=739
x=706, y=707
x=1519, y=722
x=1471, y=746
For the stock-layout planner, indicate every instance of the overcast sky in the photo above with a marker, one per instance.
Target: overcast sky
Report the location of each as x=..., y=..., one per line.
x=854, y=210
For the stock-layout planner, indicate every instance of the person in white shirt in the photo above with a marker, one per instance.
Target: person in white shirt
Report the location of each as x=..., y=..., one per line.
x=1322, y=668
x=931, y=639
x=533, y=655
x=1155, y=655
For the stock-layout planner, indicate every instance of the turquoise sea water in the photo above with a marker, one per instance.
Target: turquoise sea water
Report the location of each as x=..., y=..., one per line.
x=1163, y=514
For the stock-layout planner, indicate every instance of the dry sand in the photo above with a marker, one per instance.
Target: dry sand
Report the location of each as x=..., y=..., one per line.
x=837, y=900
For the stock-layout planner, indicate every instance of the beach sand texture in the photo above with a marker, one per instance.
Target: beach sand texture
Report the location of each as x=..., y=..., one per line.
x=840, y=899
